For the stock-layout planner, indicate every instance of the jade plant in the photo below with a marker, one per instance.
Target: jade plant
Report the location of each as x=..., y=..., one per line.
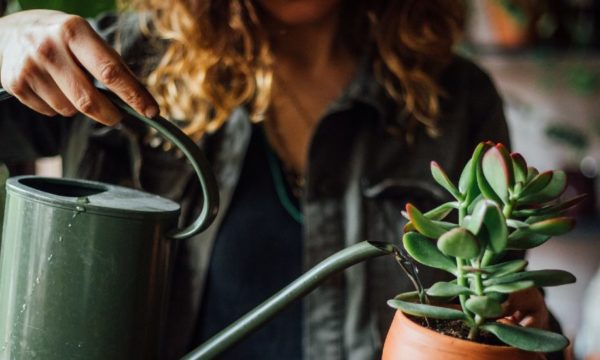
x=500, y=204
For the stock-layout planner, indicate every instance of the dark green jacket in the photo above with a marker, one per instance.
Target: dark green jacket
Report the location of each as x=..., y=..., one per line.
x=360, y=174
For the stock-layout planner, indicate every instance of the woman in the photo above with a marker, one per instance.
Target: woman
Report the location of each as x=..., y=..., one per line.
x=319, y=116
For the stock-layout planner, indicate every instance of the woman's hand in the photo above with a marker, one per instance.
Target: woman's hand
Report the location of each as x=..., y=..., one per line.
x=526, y=308
x=47, y=57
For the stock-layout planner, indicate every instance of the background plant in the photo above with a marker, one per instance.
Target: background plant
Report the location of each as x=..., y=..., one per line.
x=502, y=204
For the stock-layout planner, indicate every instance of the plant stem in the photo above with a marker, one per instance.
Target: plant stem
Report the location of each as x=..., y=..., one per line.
x=462, y=212
x=461, y=280
x=475, y=329
x=460, y=277
x=507, y=210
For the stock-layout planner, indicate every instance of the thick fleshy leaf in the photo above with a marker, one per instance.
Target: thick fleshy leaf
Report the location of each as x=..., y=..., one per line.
x=460, y=243
x=552, y=208
x=524, y=240
x=422, y=224
x=497, y=169
x=553, y=227
x=531, y=173
x=519, y=167
x=437, y=213
x=423, y=310
x=467, y=184
x=528, y=339
x=555, y=187
x=494, y=221
x=410, y=296
x=443, y=224
x=510, y=288
x=504, y=268
x=498, y=296
x=424, y=251
x=484, y=306
x=447, y=289
x=467, y=177
x=484, y=187
x=476, y=219
x=440, y=176
x=537, y=184
x=516, y=224
x=540, y=278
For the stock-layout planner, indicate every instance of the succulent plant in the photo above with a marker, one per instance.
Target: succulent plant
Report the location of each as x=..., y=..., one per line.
x=502, y=204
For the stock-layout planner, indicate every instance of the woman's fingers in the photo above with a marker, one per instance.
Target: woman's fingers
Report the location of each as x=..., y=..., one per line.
x=28, y=97
x=76, y=85
x=105, y=65
x=46, y=89
x=51, y=55
x=526, y=308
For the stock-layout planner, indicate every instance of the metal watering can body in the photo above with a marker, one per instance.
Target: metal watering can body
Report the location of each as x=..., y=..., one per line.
x=83, y=270
x=85, y=266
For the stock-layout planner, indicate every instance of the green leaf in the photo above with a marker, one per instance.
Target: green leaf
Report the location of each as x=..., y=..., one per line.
x=439, y=175
x=424, y=310
x=468, y=178
x=504, y=268
x=537, y=184
x=437, y=213
x=425, y=252
x=484, y=306
x=408, y=296
x=553, y=227
x=447, y=289
x=541, y=278
x=485, y=188
x=488, y=213
x=498, y=296
x=422, y=224
x=516, y=224
x=524, y=240
x=531, y=173
x=528, y=339
x=460, y=243
x=497, y=170
x=552, y=208
x=509, y=288
x=476, y=219
x=519, y=167
x=555, y=187
x=440, y=212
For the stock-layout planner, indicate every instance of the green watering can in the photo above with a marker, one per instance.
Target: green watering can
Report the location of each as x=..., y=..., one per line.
x=85, y=266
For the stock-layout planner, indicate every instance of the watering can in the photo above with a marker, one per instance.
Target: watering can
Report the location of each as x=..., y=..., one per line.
x=85, y=266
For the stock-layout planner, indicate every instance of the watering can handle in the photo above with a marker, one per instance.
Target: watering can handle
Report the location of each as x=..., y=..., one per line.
x=193, y=153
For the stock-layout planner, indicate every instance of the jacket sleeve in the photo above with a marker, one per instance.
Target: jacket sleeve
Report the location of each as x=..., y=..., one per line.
x=26, y=135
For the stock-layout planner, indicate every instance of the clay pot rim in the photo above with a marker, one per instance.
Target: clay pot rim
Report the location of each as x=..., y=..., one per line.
x=475, y=345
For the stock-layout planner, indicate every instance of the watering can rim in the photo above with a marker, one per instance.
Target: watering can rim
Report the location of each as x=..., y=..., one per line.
x=108, y=200
x=208, y=184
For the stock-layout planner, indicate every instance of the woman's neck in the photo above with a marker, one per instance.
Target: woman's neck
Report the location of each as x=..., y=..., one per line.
x=308, y=47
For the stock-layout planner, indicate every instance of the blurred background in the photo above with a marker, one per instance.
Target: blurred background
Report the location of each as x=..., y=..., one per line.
x=544, y=57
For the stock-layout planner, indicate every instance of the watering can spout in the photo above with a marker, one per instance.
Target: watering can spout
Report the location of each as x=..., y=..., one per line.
x=303, y=285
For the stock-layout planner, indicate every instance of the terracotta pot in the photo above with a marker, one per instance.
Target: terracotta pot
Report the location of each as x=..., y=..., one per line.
x=411, y=341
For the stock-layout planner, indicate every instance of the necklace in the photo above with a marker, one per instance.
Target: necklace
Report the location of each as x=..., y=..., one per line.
x=295, y=179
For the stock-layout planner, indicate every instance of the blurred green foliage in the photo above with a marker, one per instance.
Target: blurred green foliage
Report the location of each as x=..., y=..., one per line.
x=76, y=7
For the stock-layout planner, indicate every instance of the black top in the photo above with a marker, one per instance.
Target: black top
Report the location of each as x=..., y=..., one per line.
x=258, y=251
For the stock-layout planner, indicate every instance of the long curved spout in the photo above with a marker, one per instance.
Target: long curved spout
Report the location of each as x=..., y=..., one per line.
x=303, y=285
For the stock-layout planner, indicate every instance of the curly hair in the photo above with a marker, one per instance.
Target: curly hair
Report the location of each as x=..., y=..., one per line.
x=218, y=55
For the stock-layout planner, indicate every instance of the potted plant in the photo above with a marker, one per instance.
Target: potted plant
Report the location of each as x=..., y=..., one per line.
x=501, y=204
